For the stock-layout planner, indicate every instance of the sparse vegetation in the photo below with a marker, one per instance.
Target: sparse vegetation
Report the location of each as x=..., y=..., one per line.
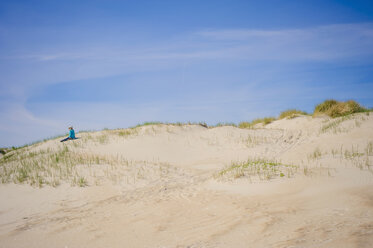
x=291, y=113
x=257, y=168
x=127, y=132
x=68, y=164
x=265, y=120
x=333, y=125
x=335, y=108
x=80, y=181
x=369, y=149
x=203, y=124
x=149, y=123
x=103, y=138
x=245, y=124
x=253, y=140
x=316, y=154
x=224, y=124
x=44, y=166
x=251, y=124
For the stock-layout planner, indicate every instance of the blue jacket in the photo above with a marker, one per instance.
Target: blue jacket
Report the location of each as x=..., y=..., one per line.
x=72, y=134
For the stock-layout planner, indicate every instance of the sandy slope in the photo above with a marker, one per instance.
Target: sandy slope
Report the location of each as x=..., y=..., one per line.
x=168, y=192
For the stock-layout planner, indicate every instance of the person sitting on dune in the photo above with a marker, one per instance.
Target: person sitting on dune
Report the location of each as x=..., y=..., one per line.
x=71, y=135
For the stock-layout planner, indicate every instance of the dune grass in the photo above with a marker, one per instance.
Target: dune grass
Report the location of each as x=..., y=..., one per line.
x=316, y=154
x=261, y=169
x=225, y=124
x=127, y=132
x=333, y=125
x=335, y=108
x=291, y=113
x=149, y=123
x=264, y=121
x=68, y=164
x=47, y=166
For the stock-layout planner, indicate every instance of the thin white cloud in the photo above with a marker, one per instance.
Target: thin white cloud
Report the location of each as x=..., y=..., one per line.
x=332, y=31
x=317, y=43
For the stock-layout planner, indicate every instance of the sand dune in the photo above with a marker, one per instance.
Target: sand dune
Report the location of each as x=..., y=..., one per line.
x=302, y=182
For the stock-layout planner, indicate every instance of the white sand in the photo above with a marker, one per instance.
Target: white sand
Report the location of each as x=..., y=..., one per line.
x=169, y=194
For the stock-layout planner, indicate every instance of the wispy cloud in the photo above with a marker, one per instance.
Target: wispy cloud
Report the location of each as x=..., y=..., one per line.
x=328, y=42
x=318, y=43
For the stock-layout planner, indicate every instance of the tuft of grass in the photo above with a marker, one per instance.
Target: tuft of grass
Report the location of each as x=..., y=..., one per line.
x=80, y=181
x=335, y=108
x=354, y=152
x=203, y=124
x=291, y=113
x=260, y=168
x=265, y=121
x=148, y=123
x=316, y=154
x=103, y=139
x=333, y=125
x=47, y=166
x=325, y=106
x=127, y=132
x=245, y=124
x=225, y=124
x=369, y=149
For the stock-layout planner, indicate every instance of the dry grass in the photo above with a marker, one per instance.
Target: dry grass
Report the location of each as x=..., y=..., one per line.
x=203, y=124
x=335, y=108
x=245, y=124
x=127, y=132
x=38, y=167
x=225, y=124
x=48, y=166
x=69, y=164
x=333, y=125
x=316, y=154
x=291, y=113
x=256, y=169
x=264, y=121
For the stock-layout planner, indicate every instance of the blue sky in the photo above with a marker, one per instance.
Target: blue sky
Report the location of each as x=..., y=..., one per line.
x=108, y=64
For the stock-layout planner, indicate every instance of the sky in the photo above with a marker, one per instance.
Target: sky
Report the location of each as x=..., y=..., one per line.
x=114, y=64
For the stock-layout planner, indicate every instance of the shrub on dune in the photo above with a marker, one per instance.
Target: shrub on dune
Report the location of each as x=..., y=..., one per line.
x=335, y=108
